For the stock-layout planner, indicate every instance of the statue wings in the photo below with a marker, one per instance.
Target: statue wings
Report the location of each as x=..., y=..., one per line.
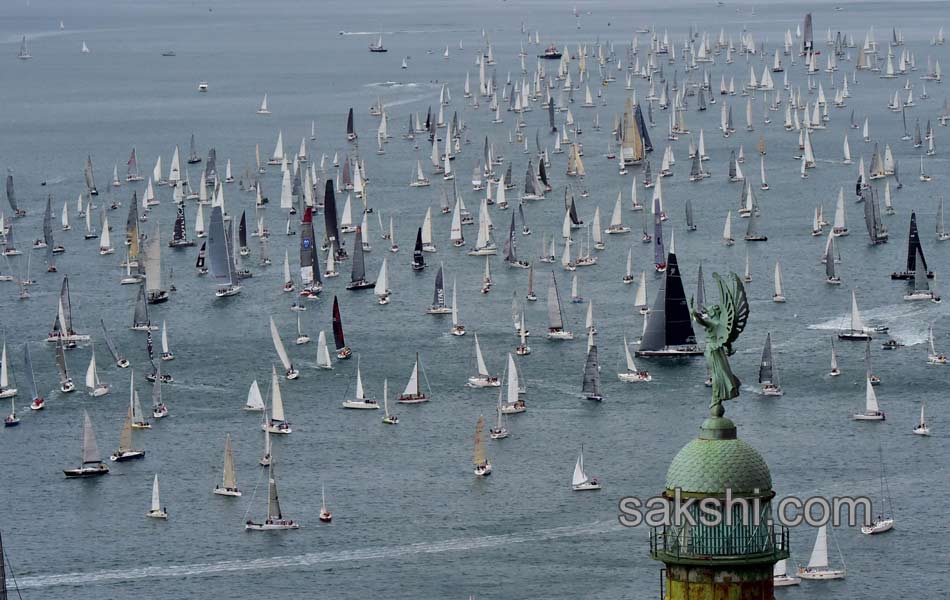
x=735, y=311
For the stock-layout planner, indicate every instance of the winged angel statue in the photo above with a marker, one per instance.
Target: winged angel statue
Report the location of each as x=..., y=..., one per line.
x=723, y=323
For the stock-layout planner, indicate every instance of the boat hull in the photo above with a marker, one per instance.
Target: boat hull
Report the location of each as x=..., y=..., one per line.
x=86, y=472
x=361, y=404
x=821, y=574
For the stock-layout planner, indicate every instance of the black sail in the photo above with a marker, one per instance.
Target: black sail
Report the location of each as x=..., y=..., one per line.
x=337, y=326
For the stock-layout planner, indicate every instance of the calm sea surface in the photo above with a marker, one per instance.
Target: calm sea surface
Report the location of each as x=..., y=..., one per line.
x=410, y=520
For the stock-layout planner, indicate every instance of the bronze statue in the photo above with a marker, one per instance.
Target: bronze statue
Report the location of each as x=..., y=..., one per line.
x=723, y=323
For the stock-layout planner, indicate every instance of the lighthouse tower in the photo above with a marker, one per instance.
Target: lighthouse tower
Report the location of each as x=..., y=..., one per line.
x=726, y=560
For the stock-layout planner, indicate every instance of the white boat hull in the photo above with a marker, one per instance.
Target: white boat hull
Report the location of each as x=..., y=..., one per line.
x=878, y=527
x=220, y=491
x=635, y=377
x=361, y=404
x=271, y=526
x=820, y=574
x=586, y=486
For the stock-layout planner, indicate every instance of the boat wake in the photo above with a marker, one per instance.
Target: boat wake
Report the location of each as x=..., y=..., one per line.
x=903, y=319
x=317, y=558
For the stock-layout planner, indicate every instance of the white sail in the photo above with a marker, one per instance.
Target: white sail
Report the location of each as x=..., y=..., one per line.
x=412, y=388
x=254, y=399
x=156, y=501
x=778, y=279
x=482, y=369
x=323, y=352
x=819, y=554
x=276, y=401
x=856, y=323
x=631, y=366
x=279, y=346
x=870, y=398
x=579, y=476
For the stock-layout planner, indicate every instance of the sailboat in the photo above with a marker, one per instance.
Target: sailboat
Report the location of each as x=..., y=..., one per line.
x=922, y=428
x=500, y=430
x=872, y=412
x=156, y=511
x=727, y=230
x=343, y=351
x=255, y=402
x=632, y=374
x=857, y=331
x=482, y=464
x=166, y=351
x=11, y=420
x=556, y=329
x=914, y=250
x=263, y=109
x=381, y=287
x=884, y=521
x=220, y=250
x=5, y=390
x=360, y=401
x=513, y=403
x=817, y=567
x=159, y=408
x=325, y=516
x=92, y=465
x=289, y=371
x=581, y=481
x=388, y=419
x=779, y=295
x=94, y=386
x=24, y=52
x=780, y=576
x=458, y=329
x=768, y=374
x=36, y=401
x=482, y=379
x=669, y=330
x=934, y=357
x=591, y=384
x=126, y=451
x=66, y=384
x=277, y=422
x=835, y=371
x=323, y=352
x=275, y=520
x=438, y=306
x=228, y=485
x=413, y=393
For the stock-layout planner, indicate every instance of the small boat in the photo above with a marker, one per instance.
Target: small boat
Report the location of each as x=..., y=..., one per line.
x=36, y=401
x=360, y=402
x=817, y=567
x=156, y=511
x=556, y=329
x=388, y=419
x=24, y=52
x=277, y=422
x=884, y=520
x=780, y=576
x=857, y=332
x=166, y=352
x=482, y=463
x=92, y=465
x=94, y=386
x=263, y=110
x=413, y=393
x=203, y=86
x=377, y=46
x=275, y=520
x=11, y=420
x=228, y=485
x=581, y=481
x=591, y=384
x=325, y=516
x=835, y=371
x=934, y=357
x=290, y=372
x=768, y=374
x=632, y=374
x=482, y=379
x=255, y=402
x=922, y=428
x=458, y=329
x=126, y=451
x=872, y=412
x=500, y=430
x=551, y=53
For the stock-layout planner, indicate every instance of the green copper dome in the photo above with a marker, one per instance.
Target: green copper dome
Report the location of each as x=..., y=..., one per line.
x=716, y=461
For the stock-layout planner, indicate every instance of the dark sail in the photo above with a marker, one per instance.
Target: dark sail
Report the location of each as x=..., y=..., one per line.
x=309, y=261
x=669, y=325
x=766, y=372
x=211, y=172
x=644, y=132
x=418, y=258
x=358, y=276
x=350, y=131
x=438, y=296
x=551, y=117
x=913, y=246
x=11, y=196
x=200, y=262
x=242, y=231
x=337, y=326
x=330, y=221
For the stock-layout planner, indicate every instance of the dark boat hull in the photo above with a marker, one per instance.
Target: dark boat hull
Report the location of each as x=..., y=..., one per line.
x=908, y=275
